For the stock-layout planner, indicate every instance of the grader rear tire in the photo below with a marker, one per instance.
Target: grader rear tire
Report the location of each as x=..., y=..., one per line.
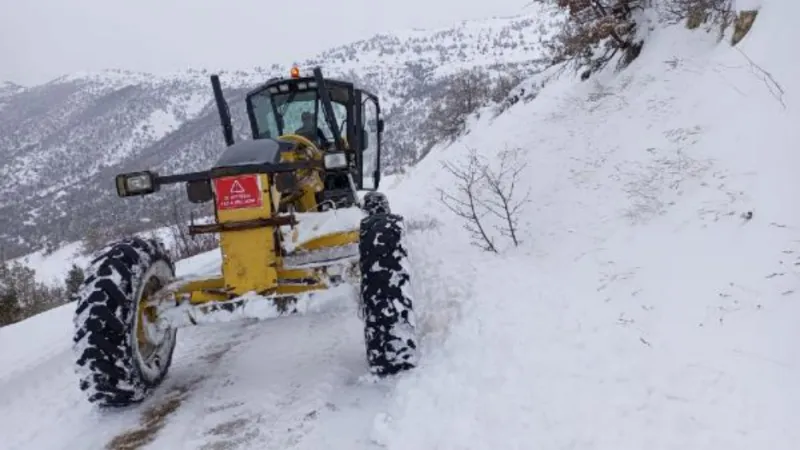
x=387, y=307
x=120, y=359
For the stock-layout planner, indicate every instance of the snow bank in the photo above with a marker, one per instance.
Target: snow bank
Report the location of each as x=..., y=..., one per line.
x=654, y=301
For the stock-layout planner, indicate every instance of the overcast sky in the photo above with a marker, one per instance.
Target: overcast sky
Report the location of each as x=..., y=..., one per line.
x=43, y=39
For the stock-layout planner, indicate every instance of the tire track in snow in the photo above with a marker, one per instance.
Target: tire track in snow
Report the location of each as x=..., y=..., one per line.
x=296, y=382
x=152, y=420
x=42, y=407
x=166, y=401
x=272, y=391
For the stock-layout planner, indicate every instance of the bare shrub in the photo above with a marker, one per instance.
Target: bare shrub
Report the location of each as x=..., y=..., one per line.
x=98, y=237
x=465, y=202
x=482, y=190
x=465, y=92
x=502, y=200
x=503, y=86
x=595, y=32
x=529, y=89
x=770, y=82
x=463, y=95
x=186, y=245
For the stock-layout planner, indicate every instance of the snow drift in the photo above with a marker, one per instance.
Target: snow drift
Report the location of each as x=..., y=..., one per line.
x=654, y=302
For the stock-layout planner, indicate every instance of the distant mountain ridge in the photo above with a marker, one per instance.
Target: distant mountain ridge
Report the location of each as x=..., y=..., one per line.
x=62, y=142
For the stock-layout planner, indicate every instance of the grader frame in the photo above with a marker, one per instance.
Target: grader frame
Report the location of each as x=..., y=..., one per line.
x=283, y=175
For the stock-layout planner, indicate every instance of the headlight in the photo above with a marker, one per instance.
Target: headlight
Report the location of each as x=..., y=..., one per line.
x=335, y=161
x=137, y=183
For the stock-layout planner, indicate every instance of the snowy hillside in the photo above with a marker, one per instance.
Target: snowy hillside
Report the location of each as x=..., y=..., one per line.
x=655, y=300
x=652, y=303
x=63, y=142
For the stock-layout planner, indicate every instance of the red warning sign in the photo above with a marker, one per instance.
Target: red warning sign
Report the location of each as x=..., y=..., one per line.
x=242, y=191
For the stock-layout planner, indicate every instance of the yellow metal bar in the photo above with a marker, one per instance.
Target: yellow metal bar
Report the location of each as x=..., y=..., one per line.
x=203, y=290
x=289, y=282
x=295, y=274
x=201, y=285
x=291, y=289
x=198, y=297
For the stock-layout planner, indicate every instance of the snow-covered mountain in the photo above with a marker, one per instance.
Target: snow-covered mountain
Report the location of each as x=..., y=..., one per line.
x=62, y=142
x=8, y=88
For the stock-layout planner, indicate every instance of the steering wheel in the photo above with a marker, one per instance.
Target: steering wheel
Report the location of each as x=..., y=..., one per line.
x=311, y=150
x=307, y=152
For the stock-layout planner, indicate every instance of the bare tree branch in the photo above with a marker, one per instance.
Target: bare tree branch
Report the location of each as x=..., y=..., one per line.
x=177, y=222
x=595, y=32
x=502, y=185
x=482, y=190
x=468, y=185
x=772, y=84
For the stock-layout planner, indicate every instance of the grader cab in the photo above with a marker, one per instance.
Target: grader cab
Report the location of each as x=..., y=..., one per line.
x=297, y=212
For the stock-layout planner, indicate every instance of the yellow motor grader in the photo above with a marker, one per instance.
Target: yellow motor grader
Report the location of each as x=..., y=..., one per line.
x=291, y=226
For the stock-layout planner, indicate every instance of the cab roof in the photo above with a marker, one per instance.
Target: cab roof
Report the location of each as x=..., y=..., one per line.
x=282, y=85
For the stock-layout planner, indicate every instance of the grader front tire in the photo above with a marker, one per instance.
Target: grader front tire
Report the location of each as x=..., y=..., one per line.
x=120, y=359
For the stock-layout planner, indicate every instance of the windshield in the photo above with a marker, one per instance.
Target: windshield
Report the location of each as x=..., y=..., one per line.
x=292, y=108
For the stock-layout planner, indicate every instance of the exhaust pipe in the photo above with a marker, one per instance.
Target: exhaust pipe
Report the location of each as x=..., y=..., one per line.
x=224, y=111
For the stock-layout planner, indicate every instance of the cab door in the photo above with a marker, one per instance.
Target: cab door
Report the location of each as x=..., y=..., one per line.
x=372, y=130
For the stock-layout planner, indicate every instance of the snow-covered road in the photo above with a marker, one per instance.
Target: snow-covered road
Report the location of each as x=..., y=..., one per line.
x=295, y=382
